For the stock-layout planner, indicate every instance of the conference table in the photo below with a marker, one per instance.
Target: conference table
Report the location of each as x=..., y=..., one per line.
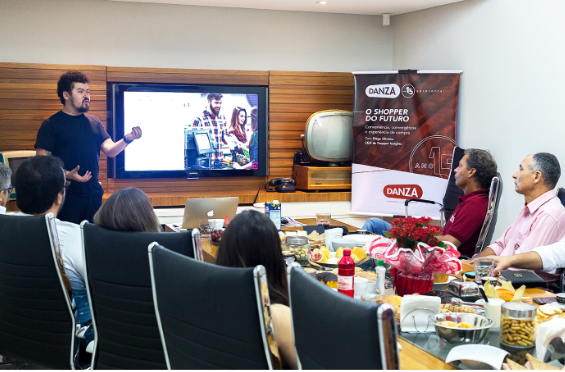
x=411, y=356
x=420, y=351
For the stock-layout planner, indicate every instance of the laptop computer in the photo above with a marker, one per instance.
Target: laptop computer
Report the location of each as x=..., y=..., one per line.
x=208, y=208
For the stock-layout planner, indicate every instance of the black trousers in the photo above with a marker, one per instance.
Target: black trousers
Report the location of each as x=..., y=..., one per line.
x=78, y=208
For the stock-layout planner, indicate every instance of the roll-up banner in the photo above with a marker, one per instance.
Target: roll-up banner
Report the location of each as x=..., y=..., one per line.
x=404, y=126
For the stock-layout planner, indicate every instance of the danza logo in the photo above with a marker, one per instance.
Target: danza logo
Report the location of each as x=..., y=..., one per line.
x=383, y=91
x=403, y=191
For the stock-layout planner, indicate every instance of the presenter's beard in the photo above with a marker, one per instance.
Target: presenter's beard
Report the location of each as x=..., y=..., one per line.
x=84, y=108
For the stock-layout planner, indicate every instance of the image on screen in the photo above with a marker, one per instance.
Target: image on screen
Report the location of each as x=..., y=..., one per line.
x=203, y=141
x=191, y=131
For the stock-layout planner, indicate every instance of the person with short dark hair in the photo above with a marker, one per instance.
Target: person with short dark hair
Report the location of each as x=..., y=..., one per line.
x=41, y=186
x=541, y=221
x=473, y=175
x=128, y=209
x=77, y=138
x=5, y=186
x=216, y=124
x=252, y=239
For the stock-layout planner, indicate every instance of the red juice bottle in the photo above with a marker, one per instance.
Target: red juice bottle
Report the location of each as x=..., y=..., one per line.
x=346, y=273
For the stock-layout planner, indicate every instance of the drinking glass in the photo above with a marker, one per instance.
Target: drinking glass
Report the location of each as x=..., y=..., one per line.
x=323, y=219
x=484, y=267
x=205, y=228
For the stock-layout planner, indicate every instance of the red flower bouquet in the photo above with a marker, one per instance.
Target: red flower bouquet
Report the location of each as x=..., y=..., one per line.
x=415, y=254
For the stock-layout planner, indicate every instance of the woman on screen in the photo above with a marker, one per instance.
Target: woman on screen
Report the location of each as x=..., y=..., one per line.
x=236, y=127
x=252, y=239
x=253, y=144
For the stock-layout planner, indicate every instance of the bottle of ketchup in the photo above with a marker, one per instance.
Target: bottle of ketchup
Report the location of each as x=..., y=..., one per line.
x=346, y=273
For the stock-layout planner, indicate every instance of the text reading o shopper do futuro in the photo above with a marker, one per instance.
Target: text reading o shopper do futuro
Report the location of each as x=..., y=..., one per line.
x=387, y=115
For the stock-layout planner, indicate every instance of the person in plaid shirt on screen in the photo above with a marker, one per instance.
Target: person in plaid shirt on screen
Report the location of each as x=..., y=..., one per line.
x=216, y=125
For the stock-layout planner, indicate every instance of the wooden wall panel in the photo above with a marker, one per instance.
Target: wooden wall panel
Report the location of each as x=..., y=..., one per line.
x=293, y=98
x=28, y=95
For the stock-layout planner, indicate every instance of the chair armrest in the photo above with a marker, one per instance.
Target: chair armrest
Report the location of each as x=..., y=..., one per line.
x=408, y=201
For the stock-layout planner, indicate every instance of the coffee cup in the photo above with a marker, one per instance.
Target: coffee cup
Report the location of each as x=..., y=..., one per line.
x=216, y=223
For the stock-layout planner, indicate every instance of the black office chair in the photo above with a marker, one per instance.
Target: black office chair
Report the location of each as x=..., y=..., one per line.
x=212, y=317
x=489, y=223
x=37, y=324
x=452, y=192
x=118, y=284
x=367, y=332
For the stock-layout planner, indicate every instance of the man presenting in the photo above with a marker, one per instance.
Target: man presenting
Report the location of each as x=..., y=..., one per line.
x=5, y=188
x=473, y=175
x=77, y=138
x=542, y=220
x=216, y=125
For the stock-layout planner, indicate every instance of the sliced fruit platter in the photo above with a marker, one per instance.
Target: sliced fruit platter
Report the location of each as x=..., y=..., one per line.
x=324, y=257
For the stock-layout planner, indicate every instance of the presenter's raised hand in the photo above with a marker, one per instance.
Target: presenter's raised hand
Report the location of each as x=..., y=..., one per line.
x=135, y=133
x=73, y=175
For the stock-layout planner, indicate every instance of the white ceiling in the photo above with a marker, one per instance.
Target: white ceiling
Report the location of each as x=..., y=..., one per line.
x=369, y=7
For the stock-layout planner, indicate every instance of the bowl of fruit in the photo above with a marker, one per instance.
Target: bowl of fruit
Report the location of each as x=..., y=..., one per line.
x=216, y=236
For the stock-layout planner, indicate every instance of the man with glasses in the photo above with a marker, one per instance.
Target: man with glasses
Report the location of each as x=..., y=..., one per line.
x=5, y=187
x=42, y=186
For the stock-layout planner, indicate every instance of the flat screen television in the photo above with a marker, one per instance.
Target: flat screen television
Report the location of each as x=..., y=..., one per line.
x=189, y=130
x=14, y=159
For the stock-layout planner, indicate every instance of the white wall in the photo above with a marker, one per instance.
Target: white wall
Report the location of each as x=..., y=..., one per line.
x=99, y=32
x=512, y=88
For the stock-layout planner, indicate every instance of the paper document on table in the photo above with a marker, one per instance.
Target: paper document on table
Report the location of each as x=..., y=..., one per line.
x=292, y=222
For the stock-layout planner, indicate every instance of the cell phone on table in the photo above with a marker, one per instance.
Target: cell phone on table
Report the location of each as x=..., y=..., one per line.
x=544, y=300
x=469, y=274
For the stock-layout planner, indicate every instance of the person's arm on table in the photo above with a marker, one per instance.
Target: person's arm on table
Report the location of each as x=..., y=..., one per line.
x=529, y=260
x=111, y=148
x=449, y=238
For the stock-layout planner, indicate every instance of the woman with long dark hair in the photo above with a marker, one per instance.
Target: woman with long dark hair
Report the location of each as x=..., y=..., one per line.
x=236, y=126
x=252, y=239
x=128, y=209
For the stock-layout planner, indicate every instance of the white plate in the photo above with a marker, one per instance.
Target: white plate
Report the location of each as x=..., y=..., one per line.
x=476, y=356
x=558, y=305
x=361, y=239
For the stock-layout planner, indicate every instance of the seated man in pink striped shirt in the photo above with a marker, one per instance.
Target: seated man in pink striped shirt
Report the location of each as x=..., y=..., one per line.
x=542, y=220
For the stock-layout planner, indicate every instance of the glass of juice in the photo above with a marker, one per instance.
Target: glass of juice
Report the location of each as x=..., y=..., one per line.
x=323, y=219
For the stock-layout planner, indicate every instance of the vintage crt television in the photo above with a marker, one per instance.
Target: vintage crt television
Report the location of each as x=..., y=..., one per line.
x=14, y=159
x=176, y=140
x=328, y=136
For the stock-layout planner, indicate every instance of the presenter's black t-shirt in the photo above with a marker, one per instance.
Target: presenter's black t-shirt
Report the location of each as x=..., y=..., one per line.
x=76, y=140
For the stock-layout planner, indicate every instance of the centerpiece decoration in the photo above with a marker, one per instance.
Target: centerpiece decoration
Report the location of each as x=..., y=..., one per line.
x=412, y=249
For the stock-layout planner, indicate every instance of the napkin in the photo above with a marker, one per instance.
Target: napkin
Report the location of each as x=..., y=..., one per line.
x=420, y=309
x=546, y=332
x=331, y=234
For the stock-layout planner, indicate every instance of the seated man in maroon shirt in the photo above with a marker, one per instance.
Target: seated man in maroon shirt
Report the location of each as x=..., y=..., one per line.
x=473, y=175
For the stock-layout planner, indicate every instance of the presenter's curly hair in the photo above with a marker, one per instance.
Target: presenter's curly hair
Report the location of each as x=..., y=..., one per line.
x=484, y=164
x=67, y=80
x=216, y=96
x=549, y=167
